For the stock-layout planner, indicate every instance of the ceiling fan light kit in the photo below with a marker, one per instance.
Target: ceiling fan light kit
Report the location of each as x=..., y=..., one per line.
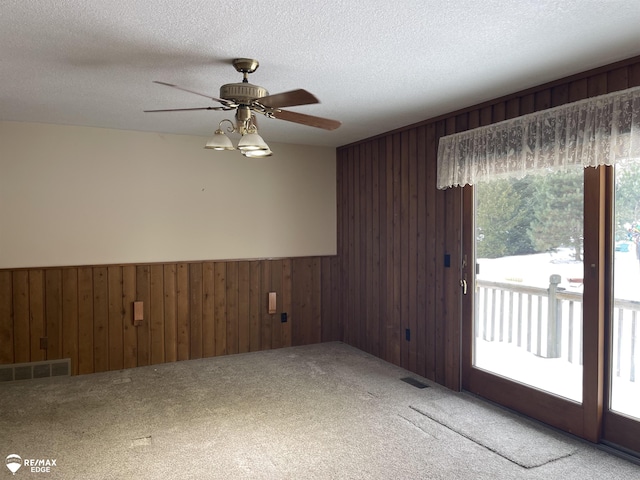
x=249, y=142
x=246, y=98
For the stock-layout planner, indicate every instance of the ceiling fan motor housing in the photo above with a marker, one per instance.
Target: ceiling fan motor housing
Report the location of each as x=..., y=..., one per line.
x=242, y=93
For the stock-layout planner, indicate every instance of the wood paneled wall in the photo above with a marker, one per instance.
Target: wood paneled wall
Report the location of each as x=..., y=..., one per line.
x=397, y=232
x=392, y=241
x=191, y=310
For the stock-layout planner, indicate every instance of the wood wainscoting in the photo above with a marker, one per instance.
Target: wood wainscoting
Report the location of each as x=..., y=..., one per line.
x=191, y=310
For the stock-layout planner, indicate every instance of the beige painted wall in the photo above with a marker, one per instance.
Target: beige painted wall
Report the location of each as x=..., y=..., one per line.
x=79, y=196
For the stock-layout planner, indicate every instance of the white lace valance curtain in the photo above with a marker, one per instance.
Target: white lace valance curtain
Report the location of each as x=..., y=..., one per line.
x=601, y=130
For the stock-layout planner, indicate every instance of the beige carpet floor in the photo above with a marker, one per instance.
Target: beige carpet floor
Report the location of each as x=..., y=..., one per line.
x=326, y=411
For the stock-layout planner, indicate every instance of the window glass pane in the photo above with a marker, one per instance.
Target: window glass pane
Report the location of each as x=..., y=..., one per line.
x=625, y=325
x=529, y=247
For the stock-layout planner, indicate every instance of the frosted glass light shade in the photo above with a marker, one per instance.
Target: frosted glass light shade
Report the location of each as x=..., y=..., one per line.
x=252, y=141
x=219, y=141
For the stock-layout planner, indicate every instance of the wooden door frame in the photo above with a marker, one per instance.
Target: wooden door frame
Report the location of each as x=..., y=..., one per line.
x=453, y=303
x=468, y=272
x=593, y=302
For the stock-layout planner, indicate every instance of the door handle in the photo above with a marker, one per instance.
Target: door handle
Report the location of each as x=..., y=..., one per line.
x=463, y=284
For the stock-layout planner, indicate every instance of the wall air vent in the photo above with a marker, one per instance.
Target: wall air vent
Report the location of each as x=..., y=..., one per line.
x=28, y=371
x=416, y=383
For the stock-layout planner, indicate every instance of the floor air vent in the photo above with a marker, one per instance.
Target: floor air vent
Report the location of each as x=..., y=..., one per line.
x=28, y=371
x=414, y=382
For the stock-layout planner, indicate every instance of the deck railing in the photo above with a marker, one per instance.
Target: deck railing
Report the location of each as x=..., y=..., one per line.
x=548, y=322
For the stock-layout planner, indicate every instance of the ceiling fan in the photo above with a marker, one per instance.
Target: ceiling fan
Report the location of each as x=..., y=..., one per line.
x=247, y=100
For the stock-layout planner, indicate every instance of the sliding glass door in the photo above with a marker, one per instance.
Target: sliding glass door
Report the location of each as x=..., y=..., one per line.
x=552, y=323
x=625, y=386
x=622, y=418
x=524, y=317
x=551, y=242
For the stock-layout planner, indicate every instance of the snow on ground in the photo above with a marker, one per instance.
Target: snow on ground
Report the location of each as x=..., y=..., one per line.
x=535, y=270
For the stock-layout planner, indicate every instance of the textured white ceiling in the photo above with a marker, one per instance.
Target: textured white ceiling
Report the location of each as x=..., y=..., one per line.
x=375, y=65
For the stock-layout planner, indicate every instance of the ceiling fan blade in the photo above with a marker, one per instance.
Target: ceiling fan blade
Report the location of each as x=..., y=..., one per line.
x=184, y=109
x=288, y=99
x=304, y=119
x=224, y=102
